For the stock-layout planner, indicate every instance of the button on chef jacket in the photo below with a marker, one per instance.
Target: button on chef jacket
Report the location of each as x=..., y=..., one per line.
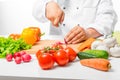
x=97, y=14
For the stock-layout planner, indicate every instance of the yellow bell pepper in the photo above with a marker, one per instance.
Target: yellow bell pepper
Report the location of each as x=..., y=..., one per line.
x=29, y=36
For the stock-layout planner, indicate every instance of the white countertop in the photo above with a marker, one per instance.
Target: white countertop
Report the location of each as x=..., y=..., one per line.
x=73, y=71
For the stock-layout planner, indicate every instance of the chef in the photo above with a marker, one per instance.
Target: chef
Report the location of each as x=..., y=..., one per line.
x=77, y=20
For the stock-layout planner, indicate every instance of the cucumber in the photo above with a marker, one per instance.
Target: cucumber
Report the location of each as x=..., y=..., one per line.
x=84, y=55
x=99, y=53
x=93, y=54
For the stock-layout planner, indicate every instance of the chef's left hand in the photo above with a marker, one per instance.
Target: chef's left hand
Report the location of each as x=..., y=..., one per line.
x=76, y=35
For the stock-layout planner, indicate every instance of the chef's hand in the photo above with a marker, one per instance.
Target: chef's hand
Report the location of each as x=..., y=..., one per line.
x=54, y=13
x=76, y=35
x=79, y=34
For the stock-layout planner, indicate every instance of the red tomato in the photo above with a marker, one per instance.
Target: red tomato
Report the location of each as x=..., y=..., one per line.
x=61, y=57
x=57, y=46
x=72, y=54
x=51, y=51
x=46, y=61
x=38, y=53
x=15, y=36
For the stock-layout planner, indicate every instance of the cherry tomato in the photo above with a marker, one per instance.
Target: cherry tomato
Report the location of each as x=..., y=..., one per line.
x=57, y=46
x=38, y=53
x=61, y=57
x=46, y=61
x=72, y=54
x=15, y=36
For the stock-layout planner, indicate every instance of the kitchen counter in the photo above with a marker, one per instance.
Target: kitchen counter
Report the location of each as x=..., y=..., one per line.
x=73, y=71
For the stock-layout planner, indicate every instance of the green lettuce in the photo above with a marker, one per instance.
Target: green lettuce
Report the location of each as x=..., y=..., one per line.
x=10, y=46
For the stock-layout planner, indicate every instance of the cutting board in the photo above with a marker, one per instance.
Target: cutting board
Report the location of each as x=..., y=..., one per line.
x=44, y=43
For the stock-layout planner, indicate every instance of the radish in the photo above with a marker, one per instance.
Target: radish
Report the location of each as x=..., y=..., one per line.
x=22, y=53
x=18, y=60
x=17, y=54
x=26, y=58
x=9, y=57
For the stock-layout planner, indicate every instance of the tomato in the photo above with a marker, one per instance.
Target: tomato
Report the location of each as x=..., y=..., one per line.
x=72, y=54
x=61, y=57
x=46, y=61
x=15, y=36
x=38, y=53
x=57, y=46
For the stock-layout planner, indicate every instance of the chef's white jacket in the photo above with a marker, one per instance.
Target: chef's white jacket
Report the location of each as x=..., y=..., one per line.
x=97, y=14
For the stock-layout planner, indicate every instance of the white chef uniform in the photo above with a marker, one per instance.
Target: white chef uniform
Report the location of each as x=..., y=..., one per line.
x=97, y=14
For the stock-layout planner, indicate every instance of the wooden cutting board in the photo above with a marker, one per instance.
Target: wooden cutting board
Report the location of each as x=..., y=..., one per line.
x=44, y=43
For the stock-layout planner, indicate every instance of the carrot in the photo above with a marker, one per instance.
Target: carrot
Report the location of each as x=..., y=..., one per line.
x=96, y=63
x=86, y=44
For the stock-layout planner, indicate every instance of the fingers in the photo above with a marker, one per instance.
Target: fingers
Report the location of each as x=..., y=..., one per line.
x=76, y=35
x=58, y=19
x=56, y=22
x=62, y=17
x=71, y=34
x=76, y=38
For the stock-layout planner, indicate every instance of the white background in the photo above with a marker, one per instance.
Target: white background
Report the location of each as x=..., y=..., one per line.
x=17, y=14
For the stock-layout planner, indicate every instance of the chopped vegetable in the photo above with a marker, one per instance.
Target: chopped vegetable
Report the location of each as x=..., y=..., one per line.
x=97, y=63
x=86, y=44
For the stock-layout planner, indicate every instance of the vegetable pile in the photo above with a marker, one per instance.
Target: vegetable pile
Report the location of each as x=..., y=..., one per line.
x=92, y=56
x=30, y=35
x=109, y=44
x=10, y=46
x=19, y=57
x=56, y=53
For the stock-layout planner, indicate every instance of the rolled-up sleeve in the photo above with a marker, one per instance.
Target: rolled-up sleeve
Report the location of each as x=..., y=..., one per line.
x=106, y=18
x=39, y=10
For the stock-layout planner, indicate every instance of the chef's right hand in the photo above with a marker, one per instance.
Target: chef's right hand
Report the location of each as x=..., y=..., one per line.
x=54, y=13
